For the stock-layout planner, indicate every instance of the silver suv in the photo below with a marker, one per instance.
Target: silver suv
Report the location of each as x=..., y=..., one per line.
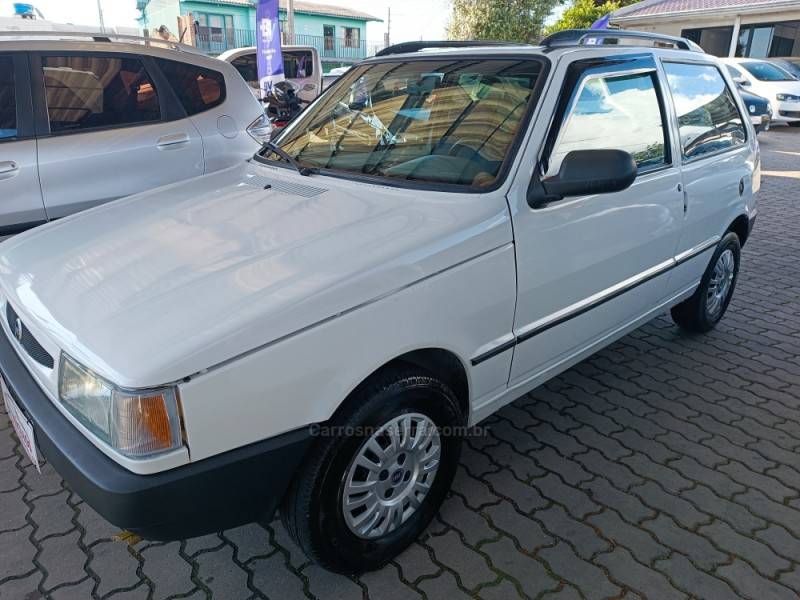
x=87, y=120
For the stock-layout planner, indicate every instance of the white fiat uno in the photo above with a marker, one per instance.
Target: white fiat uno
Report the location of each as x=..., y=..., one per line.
x=448, y=226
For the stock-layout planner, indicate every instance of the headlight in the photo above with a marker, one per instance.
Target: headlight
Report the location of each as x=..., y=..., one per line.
x=260, y=129
x=788, y=97
x=136, y=423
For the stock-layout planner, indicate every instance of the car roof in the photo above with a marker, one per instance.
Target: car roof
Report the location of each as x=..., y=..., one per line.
x=521, y=50
x=88, y=42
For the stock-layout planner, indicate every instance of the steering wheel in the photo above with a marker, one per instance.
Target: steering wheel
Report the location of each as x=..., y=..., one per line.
x=460, y=149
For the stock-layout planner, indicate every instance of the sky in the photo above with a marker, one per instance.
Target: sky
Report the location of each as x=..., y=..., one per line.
x=411, y=19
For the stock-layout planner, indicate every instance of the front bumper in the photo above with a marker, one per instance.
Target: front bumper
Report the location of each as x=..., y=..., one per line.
x=760, y=122
x=223, y=491
x=786, y=111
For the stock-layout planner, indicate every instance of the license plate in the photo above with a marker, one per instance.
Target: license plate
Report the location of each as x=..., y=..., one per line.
x=22, y=426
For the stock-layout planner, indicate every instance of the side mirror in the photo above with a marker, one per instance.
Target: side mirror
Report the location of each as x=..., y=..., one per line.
x=741, y=81
x=584, y=172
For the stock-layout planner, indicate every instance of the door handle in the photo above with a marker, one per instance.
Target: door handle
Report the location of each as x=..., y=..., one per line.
x=171, y=141
x=8, y=169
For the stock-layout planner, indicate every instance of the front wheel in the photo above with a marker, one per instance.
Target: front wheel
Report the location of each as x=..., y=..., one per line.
x=378, y=472
x=705, y=308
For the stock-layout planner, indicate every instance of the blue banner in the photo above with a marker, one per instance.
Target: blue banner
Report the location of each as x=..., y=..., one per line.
x=268, y=46
x=602, y=22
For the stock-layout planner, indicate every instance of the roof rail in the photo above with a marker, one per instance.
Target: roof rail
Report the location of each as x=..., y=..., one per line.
x=102, y=37
x=588, y=37
x=408, y=47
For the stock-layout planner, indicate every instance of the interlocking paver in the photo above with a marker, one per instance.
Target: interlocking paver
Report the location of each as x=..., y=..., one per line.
x=743, y=578
x=664, y=466
x=273, y=577
x=528, y=573
x=26, y=587
x=16, y=554
x=221, y=575
x=586, y=576
x=698, y=583
x=759, y=555
x=646, y=581
x=696, y=547
x=166, y=570
x=505, y=590
x=471, y=566
x=115, y=566
x=61, y=561
x=527, y=532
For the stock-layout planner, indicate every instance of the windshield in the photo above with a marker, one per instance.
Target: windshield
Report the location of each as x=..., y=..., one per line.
x=764, y=71
x=445, y=121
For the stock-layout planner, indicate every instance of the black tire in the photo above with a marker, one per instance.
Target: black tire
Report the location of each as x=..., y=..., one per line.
x=312, y=510
x=694, y=314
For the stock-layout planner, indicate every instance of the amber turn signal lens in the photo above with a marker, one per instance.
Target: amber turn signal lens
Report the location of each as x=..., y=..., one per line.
x=147, y=423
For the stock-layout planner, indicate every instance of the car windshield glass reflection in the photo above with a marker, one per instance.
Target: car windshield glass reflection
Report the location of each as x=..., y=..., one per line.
x=444, y=121
x=764, y=71
x=707, y=115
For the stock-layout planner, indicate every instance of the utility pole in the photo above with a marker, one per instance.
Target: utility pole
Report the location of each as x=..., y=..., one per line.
x=388, y=36
x=290, y=21
x=100, y=12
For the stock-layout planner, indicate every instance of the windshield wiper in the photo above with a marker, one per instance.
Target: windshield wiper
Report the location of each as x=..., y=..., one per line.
x=275, y=149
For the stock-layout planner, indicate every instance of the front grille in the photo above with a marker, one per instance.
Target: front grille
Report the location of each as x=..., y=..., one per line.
x=792, y=114
x=26, y=339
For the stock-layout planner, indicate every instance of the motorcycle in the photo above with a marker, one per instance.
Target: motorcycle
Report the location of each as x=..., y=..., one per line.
x=283, y=104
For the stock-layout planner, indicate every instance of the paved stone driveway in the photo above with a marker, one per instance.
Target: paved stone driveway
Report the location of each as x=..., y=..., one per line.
x=665, y=466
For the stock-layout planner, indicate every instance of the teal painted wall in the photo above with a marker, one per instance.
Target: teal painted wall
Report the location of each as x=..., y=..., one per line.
x=244, y=17
x=313, y=24
x=241, y=14
x=309, y=31
x=160, y=12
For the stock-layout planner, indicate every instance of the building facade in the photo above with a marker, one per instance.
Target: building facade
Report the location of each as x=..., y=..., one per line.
x=754, y=28
x=338, y=33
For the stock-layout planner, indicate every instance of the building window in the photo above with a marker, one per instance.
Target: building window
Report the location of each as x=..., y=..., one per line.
x=352, y=37
x=763, y=40
x=714, y=40
x=329, y=31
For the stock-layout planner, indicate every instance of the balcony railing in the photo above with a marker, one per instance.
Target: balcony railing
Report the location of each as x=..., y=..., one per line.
x=331, y=49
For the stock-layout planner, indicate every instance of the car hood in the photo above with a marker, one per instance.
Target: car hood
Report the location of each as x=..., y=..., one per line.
x=162, y=285
x=772, y=88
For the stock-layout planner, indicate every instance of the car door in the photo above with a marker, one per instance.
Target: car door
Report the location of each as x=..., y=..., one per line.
x=20, y=197
x=590, y=266
x=108, y=126
x=717, y=159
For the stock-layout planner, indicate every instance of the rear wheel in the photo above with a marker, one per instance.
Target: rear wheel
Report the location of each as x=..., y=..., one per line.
x=378, y=472
x=705, y=308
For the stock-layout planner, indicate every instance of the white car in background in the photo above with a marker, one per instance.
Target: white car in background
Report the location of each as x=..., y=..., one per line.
x=85, y=120
x=774, y=83
x=301, y=65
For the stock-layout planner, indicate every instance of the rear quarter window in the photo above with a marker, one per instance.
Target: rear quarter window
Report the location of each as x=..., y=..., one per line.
x=708, y=119
x=199, y=89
